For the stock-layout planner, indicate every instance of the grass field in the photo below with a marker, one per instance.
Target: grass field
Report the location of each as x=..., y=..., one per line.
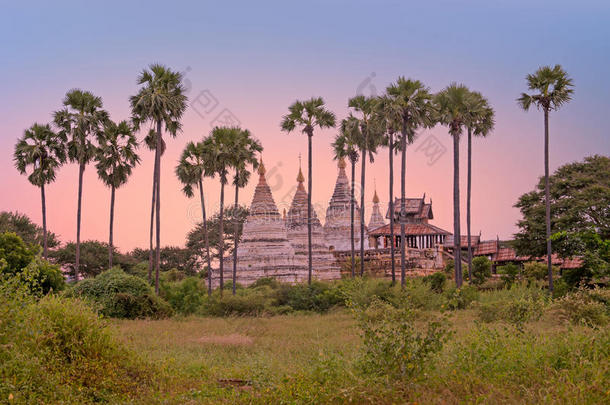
x=313, y=359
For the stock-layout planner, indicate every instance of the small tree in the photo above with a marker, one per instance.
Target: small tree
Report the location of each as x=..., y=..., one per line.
x=481, y=270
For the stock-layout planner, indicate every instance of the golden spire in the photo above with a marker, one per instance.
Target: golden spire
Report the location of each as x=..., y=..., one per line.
x=375, y=197
x=261, y=167
x=300, y=177
x=341, y=163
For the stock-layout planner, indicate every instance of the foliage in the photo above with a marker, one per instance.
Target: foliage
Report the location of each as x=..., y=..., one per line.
x=517, y=311
x=120, y=295
x=449, y=267
x=535, y=271
x=580, y=197
x=461, y=298
x=587, y=307
x=437, y=281
x=27, y=230
x=481, y=270
x=186, y=296
x=15, y=253
x=93, y=258
x=509, y=273
x=48, y=276
x=592, y=250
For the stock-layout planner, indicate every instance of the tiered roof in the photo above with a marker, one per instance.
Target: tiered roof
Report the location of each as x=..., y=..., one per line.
x=416, y=209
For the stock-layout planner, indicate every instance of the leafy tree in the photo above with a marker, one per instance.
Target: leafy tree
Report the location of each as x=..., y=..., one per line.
x=481, y=270
x=413, y=103
x=371, y=138
x=81, y=119
x=23, y=226
x=480, y=123
x=93, y=259
x=172, y=257
x=593, y=251
x=308, y=115
x=160, y=101
x=15, y=254
x=579, y=196
x=116, y=157
x=552, y=88
x=452, y=106
x=48, y=276
x=40, y=152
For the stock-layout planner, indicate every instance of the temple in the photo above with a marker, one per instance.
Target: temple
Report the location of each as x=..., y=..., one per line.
x=323, y=262
x=337, y=227
x=376, y=220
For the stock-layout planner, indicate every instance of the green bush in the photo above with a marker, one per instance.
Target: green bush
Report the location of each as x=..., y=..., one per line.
x=481, y=270
x=15, y=253
x=587, y=307
x=317, y=296
x=49, y=276
x=186, y=296
x=437, y=281
x=535, y=270
x=509, y=273
x=517, y=311
x=461, y=298
x=120, y=295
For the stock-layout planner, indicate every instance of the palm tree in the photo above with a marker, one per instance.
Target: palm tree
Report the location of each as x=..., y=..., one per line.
x=371, y=137
x=151, y=142
x=390, y=115
x=346, y=145
x=244, y=154
x=412, y=101
x=481, y=123
x=452, y=107
x=308, y=115
x=553, y=88
x=80, y=120
x=160, y=101
x=44, y=151
x=194, y=164
x=220, y=147
x=116, y=157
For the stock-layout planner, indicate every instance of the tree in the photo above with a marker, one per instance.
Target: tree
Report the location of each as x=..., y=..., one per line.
x=412, y=101
x=93, y=259
x=346, y=145
x=371, y=137
x=80, y=120
x=40, y=152
x=15, y=254
x=481, y=270
x=184, y=260
x=552, y=88
x=244, y=154
x=390, y=114
x=194, y=164
x=308, y=115
x=161, y=101
x=116, y=157
x=481, y=123
x=579, y=196
x=452, y=107
x=26, y=229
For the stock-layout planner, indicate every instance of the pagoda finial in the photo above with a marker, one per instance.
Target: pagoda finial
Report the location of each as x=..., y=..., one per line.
x=261, y=167
x=341, y=163
x=300, y=177
x=375, y=196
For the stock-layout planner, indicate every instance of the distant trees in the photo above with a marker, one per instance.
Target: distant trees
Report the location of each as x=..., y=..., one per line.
x=23, y=226
x=552, y=89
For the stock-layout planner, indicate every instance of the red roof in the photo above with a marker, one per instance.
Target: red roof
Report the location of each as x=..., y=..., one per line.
x=509, y=255
x=410, y=229
x=486, y=247
x=574, y=263
x=474, y=240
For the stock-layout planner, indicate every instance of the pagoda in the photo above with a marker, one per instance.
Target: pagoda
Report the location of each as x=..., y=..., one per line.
x=323, y=261
x=376, y=221
x=264, y=249
x=338, y=218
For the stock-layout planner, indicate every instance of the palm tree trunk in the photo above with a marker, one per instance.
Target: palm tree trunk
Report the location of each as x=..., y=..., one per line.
x=309, y=183
x=81, y=171
x=235, y=229
x=391, y=207
x=205, y=237
x=457, y=248
x=547, y=197
x=468, y=194
x=351, y=207
x=221, y=234
x=151, y=257
x=362, y=180
x=403, y=214
x=44, y=222
x=110, y=237
x=158, y=204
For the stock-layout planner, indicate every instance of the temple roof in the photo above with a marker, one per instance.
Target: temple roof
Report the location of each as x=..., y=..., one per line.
x=262, y=201
x=414, y=207
x=297, y=214
x=410, y=229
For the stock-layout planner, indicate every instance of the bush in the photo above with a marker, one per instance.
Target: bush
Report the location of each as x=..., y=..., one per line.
x=185, y=297
x=121, y=295
x=317, y=296
x=437, y=281
x=587, y=307
x=449, y=267
x=509, y=273
x=517, y=311
x=15, y=253
x=48, y=276
x=535, y=270
x=461, y=298
x=481, y=270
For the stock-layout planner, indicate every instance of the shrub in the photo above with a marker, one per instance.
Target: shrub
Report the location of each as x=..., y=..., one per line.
x=49, y=276
x=15, y=253
x=535, y=270
x=437, y=281
x=449, y=267
x=509, y=273
x=587, y=307
x=185, y=297
x=317, y=296
x=121, y=295
x=481, y=270
x=461, y=298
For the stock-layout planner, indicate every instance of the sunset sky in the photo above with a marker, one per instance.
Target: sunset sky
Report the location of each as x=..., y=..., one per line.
x=256, y=58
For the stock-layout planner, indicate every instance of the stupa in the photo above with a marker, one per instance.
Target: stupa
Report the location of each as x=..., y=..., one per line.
x=338, y=219
x=264, y=249
x=324, y=266
x=376, y=217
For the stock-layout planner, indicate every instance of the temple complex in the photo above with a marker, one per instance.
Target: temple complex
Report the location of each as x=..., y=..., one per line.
x=264, y=249
x=323, y=262
x=337, y=227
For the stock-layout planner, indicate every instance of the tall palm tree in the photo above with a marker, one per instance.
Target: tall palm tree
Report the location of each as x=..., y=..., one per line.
x=413, y=102
x=194, y=164
x=481, y=123
x=244, y=154
x=151, y=143
x=308, y=115
x=220, y=147
x=116, y=157
x=390, y=115
x=552, y=88
x=452, y=107
x=80, y=120
x=45, y=152
x=160, y=101
x=346, y=145
x=371, y=130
